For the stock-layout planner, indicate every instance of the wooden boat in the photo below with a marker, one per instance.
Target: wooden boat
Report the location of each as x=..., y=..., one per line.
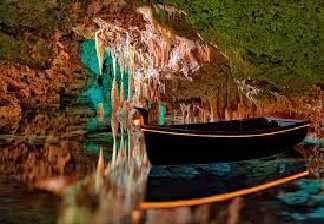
x=221, y=141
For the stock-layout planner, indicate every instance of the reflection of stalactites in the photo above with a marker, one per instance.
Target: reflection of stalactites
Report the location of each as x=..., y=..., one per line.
x=101, y=163
x=100, y=51
x=114, y=154
x=114, y=128
x=100, y=112
x=100, y=170
x=121, y=154
x=124, y=187
x=129, y=144
x=234, y=210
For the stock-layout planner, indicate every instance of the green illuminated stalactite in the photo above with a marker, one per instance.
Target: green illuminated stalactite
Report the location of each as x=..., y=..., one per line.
x=101, y=94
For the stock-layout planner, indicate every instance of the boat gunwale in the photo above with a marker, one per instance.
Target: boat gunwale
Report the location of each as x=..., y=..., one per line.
x=218, y=133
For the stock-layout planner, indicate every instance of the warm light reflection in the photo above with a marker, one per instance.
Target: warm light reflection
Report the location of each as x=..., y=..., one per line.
x=222, y=197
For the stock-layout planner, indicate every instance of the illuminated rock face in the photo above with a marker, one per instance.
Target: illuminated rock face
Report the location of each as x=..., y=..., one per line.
x=152, y=47
x=148, y=52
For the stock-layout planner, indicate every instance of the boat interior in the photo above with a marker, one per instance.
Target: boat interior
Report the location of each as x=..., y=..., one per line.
x=237, y=125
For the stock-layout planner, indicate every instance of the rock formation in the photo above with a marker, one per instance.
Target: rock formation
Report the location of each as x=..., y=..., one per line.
x=152, y=54
x=24, y=88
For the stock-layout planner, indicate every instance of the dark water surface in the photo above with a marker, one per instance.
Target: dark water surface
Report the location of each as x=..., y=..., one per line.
x=67, y=167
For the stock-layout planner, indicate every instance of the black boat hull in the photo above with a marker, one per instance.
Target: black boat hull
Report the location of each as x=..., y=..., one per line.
x=166, y=148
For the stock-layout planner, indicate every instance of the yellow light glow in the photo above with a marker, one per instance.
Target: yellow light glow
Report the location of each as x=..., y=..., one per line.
x=137, y=122
x=222, y=197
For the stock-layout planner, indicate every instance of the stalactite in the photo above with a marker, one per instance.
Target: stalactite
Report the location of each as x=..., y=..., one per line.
x=114, y=96
x=100, y=51
x=160, y=51
x=183, y=111
x=188, y=111
x=121, y=94
x=112, y=50
x=212, y=110
x=131, y=75
x=100, y=112
x=146, y=90
x=201, y=111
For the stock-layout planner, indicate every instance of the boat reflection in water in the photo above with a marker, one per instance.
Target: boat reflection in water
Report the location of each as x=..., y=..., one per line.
x=189, y=185
x=128, y=190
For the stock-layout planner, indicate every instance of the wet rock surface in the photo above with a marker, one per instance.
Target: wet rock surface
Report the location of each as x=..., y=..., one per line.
x=47, y=152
